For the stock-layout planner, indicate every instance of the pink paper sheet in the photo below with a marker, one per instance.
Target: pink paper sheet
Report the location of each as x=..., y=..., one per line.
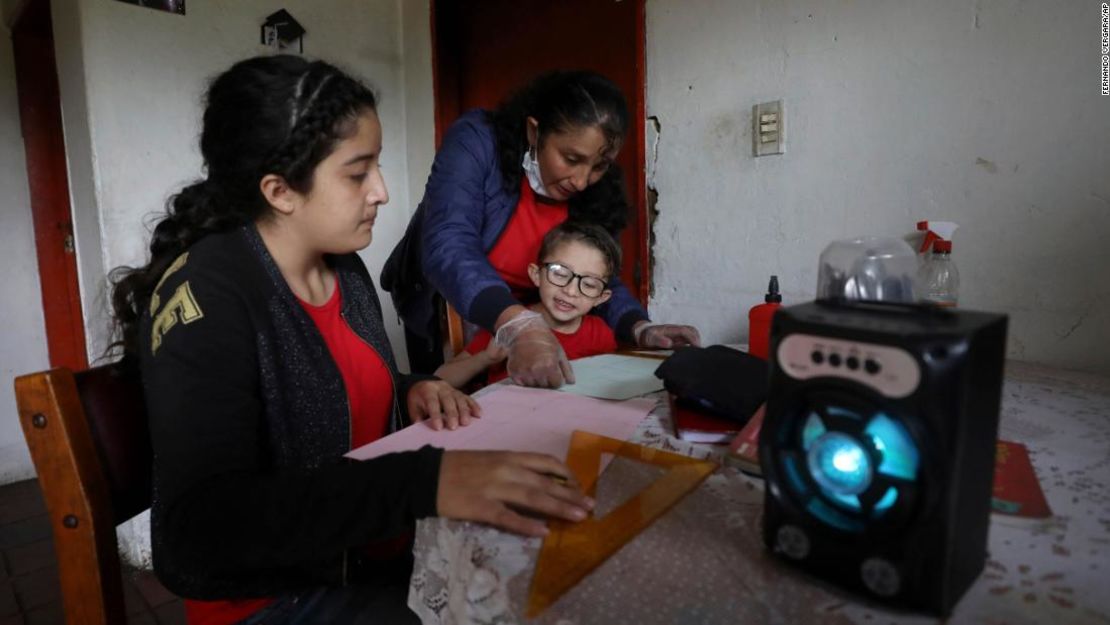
x=515, y=418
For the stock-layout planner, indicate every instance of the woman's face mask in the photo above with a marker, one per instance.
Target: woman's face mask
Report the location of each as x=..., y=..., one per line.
x=532, y=172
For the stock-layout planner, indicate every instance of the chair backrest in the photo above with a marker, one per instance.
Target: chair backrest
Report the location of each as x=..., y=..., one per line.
x=454, y=334
x=89, y=439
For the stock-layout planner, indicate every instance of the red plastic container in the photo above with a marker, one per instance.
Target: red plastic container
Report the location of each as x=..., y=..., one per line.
x=759, y=320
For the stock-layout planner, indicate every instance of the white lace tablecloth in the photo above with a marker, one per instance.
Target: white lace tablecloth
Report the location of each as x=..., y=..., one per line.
x=704, y=561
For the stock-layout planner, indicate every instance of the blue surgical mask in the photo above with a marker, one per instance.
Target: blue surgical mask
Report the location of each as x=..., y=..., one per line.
x=532, y=170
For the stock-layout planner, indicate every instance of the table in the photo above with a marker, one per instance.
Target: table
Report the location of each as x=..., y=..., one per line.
x=704, y=561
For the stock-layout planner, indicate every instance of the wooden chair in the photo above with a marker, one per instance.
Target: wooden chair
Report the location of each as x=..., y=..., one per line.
x=454, y=333
x=90, y=442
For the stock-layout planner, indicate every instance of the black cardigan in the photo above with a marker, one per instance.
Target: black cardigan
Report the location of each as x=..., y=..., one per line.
x=249, y=421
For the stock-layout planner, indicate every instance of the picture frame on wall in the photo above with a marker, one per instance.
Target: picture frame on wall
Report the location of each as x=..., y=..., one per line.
x=170, y=6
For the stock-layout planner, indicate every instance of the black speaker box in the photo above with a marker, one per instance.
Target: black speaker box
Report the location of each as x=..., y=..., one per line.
x=878, y=446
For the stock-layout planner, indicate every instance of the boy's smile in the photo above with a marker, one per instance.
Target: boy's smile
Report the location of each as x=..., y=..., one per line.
x=564, y=306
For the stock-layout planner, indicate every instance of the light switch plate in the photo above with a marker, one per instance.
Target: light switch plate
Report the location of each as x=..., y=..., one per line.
x=768, y=128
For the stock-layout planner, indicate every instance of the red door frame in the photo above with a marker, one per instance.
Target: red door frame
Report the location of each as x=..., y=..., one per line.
x=40, y=117
x=447, y=88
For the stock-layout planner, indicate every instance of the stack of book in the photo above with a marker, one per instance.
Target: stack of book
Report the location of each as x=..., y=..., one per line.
x=743, y=453
x=699, y=426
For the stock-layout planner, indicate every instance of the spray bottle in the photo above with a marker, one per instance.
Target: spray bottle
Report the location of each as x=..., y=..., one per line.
x=759, y=320
x=938, y=279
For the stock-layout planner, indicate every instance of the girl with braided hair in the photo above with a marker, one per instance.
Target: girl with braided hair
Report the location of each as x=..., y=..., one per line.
x=501, y=180
x=258, y=334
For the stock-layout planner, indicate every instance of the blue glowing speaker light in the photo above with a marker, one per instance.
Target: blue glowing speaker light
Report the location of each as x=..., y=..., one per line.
x=857, y=464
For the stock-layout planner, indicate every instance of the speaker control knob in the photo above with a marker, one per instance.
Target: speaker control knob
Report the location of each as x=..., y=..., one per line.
x=817, y=357
x=871, y=366
x=881, y=577
x=834, y=360
x=792, y=542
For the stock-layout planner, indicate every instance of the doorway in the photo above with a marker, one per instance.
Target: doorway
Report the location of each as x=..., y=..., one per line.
x=40, y=118
x=482, y=51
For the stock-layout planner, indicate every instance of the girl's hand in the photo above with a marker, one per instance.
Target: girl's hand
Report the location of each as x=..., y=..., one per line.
x=441, y=404
x=488, y=486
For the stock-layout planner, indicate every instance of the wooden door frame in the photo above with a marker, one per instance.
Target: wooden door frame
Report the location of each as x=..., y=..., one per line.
x=445, y=112
x=40, y=117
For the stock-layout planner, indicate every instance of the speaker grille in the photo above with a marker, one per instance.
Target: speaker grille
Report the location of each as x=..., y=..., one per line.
x=847, y=463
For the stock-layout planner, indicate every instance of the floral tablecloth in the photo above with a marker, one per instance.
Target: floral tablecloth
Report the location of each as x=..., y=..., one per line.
x=704, y=561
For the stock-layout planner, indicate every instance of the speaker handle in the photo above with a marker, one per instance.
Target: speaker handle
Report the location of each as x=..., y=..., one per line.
x=893, y=308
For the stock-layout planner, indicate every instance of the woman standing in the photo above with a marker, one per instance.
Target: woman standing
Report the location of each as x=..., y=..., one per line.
x=499, y=183
x=263, y=358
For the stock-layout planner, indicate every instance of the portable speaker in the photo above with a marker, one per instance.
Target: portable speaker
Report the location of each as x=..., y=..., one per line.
x=878, y=446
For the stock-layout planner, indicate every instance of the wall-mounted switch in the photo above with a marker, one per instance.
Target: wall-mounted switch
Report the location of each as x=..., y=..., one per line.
x=768, y=128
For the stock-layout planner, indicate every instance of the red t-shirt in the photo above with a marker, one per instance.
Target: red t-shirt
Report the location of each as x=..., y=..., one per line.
x=593, y=337
x=370, y=397
x=520, y=242
x=365, y=375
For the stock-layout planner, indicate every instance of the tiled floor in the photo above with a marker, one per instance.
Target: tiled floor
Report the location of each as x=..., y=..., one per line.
x=29, y=593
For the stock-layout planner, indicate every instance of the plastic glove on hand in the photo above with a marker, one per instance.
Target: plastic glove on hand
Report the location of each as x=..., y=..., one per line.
x=535, y=356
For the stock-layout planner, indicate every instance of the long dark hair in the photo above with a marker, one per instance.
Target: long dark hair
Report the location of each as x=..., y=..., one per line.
x=560, y=101
x=266, y=115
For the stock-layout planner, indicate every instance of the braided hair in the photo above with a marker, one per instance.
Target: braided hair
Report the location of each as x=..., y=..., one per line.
x=560, y=101
x=266, y=115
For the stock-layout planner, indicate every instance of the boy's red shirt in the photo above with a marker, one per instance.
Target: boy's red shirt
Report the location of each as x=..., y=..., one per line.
x=592, y=338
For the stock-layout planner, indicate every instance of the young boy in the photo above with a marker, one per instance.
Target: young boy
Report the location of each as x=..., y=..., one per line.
x=575, y=263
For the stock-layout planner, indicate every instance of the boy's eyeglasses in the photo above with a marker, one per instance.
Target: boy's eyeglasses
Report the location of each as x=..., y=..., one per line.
x=589, y=286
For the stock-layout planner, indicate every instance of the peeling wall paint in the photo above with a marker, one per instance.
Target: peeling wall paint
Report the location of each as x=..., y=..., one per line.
x=985, y=113
x=654, y=132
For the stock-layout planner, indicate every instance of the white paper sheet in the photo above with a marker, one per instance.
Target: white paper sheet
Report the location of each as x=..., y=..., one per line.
x=515, y=418
x=610, y=376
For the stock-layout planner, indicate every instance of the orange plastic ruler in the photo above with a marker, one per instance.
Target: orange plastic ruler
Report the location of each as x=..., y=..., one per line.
x=572, y=550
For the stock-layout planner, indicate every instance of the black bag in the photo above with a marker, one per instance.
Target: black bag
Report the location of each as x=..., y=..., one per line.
x=720, y=380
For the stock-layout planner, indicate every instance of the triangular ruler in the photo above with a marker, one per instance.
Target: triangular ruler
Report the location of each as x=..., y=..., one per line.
x=572, y=550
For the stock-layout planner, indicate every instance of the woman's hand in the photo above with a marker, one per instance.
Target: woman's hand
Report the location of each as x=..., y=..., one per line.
x=535, y=356
x=665, y=335
x=439, y=403
x=489, y=486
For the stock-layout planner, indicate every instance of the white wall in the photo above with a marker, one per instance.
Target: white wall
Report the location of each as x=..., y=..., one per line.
x=9, y=9
x=984, y=112
x=419, y=99
x=23, y=340
x=132, y=81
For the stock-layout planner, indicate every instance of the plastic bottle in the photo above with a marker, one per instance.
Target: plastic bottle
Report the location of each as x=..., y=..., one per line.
x=935, y=231
x=940, y=280
x=759, y=320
